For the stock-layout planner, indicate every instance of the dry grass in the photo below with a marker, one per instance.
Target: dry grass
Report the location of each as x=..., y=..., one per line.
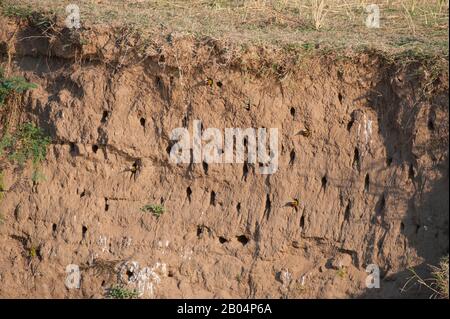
x=439, y=281
x=440, y=278
x=420, y=25
x=319, y=13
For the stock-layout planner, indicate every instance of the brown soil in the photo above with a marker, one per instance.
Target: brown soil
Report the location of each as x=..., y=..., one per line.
x=366, y=196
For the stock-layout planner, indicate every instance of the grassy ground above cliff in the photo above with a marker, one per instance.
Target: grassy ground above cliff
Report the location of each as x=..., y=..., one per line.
x=418, y=26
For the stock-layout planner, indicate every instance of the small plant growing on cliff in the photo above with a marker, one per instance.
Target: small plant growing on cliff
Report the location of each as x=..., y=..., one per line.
x=119, y=292
x=32, y=252
x=341, y=272
x=12, y=85
x=156, y=210
x=28, y=142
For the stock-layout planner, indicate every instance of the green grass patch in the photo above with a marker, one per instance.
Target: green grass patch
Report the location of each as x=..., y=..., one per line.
x=156, y=210
x=14, y=11
x=28, y=142
x=120, y=292
x=11, y=85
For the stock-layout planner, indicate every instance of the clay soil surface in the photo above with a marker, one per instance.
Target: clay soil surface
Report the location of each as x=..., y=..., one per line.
x=362, y=175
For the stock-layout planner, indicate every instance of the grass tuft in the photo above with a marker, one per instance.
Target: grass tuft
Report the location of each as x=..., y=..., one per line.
x=438, y=282
x=156, y=210
x=440, y=278
x=27, y=142
x=11, y=85
x=120, y=292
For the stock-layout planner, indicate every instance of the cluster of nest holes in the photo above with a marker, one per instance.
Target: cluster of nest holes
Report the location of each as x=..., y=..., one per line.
x=202, y=229
x=243, y=239
x=402, y=229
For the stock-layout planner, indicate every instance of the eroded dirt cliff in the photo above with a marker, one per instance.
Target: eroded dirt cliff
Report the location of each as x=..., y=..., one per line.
x=369, y=170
